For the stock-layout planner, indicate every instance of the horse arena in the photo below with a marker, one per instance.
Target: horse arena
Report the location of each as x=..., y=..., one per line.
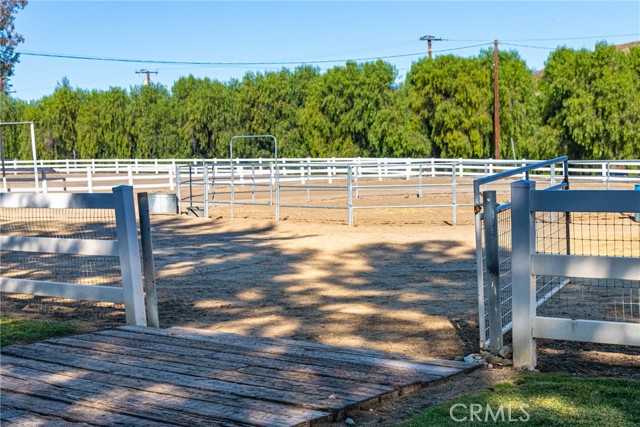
x=400, y=281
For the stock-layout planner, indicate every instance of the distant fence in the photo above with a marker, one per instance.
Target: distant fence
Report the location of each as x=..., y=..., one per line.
x=47, y=242
x=208, y=185
x=96, y=175
x=600, y=302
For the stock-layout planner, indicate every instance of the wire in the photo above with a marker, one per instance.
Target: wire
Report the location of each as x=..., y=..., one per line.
x=572, y=38
x=227, y=64
x=528, y=46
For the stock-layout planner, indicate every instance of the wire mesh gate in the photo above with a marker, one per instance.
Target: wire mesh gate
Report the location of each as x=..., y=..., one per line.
x=493, y=245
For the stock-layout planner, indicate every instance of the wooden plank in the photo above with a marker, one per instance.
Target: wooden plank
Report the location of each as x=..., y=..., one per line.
x=314, y=390
x=166, y=408
x=260, y=360
x=62, y=290
x=74, y=413
x=326, y=402
x=13, y=417
x=365, y=362
x=595, y=267
x=169, y=389
x=250, y=375
x=283, y=356
x=54, y=245
x=318, y=346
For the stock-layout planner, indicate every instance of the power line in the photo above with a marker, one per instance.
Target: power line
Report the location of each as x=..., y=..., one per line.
x=223, y=64
x=529, y=46
x=572, y=38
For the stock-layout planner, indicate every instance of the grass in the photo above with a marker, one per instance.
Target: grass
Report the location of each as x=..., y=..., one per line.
x=17, y=330
x=553, y=401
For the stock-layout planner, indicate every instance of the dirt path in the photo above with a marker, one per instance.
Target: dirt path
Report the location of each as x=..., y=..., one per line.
x=408, y=289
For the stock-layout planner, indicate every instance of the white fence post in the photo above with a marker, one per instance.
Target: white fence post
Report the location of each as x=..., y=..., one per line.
x=89, y=180
x=129, y=256
x=523, y=237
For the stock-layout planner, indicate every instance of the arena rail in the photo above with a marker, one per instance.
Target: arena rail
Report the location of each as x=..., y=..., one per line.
x=89, y=175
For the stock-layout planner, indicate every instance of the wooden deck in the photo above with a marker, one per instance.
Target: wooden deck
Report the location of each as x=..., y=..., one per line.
x=148, y=377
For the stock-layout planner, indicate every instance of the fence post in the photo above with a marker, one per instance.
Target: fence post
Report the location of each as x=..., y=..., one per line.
x=277, y=176
x=271, y=176
x=454, y=197
x=205, y=181
x=150, y=294
x=130, y=176
x=89, y=180
x=349, y=196
x=44, y=182
x=523, y=240
x=356, y=183
x=178, y=189
x=490, y=208
x=420, y=182
x=308, y=180
x=129, y=255
x=233, y=188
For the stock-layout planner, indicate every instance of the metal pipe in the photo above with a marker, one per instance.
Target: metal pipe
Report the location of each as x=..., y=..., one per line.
x=493, y=269
x=205, y=180
x=349, y=195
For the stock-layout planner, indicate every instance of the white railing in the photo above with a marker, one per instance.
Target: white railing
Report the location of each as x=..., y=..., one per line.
x=89, y=175
x=527, y=264
x=131, y=294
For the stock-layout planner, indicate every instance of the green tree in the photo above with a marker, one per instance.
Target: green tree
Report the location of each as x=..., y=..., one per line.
x=451, y=98
x=9, y=40
x=56, y=120
x=152, y=125
x=592, y=102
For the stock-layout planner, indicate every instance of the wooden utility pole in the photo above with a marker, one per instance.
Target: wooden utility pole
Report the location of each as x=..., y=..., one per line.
x=496, y=103
x=147, y=80
x=429, y=39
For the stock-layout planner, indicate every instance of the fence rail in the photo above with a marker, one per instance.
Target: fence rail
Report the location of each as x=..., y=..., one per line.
x=89, y=175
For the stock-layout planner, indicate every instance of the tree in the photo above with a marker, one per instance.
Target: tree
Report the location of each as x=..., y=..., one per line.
x=9, y=40
x=592, y=102
x=451, y=97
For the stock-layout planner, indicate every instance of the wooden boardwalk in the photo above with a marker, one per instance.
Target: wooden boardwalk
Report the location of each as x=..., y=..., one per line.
x=132, y=376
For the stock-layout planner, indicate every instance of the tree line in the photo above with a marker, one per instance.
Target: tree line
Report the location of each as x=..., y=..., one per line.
x=585, y=104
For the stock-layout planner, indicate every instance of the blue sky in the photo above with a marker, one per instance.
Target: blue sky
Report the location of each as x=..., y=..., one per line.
x=289, y=31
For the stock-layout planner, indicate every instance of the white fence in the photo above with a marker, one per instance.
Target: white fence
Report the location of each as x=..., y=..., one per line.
x=132, y=292
x=528, y=263
x=89, y=175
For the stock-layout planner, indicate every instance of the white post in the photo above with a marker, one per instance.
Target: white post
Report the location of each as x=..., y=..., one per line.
x=35, y=158
x=523, y=236
x=130, y=175
x=89, y=180
x=130, y=267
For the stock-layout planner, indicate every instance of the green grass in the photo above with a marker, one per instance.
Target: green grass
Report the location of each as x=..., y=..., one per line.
x=553, y=401
x=17, y=330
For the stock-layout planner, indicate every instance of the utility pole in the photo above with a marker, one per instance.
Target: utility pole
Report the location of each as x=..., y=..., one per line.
x=429, y=39
x=147, y=80
x=496, y=103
